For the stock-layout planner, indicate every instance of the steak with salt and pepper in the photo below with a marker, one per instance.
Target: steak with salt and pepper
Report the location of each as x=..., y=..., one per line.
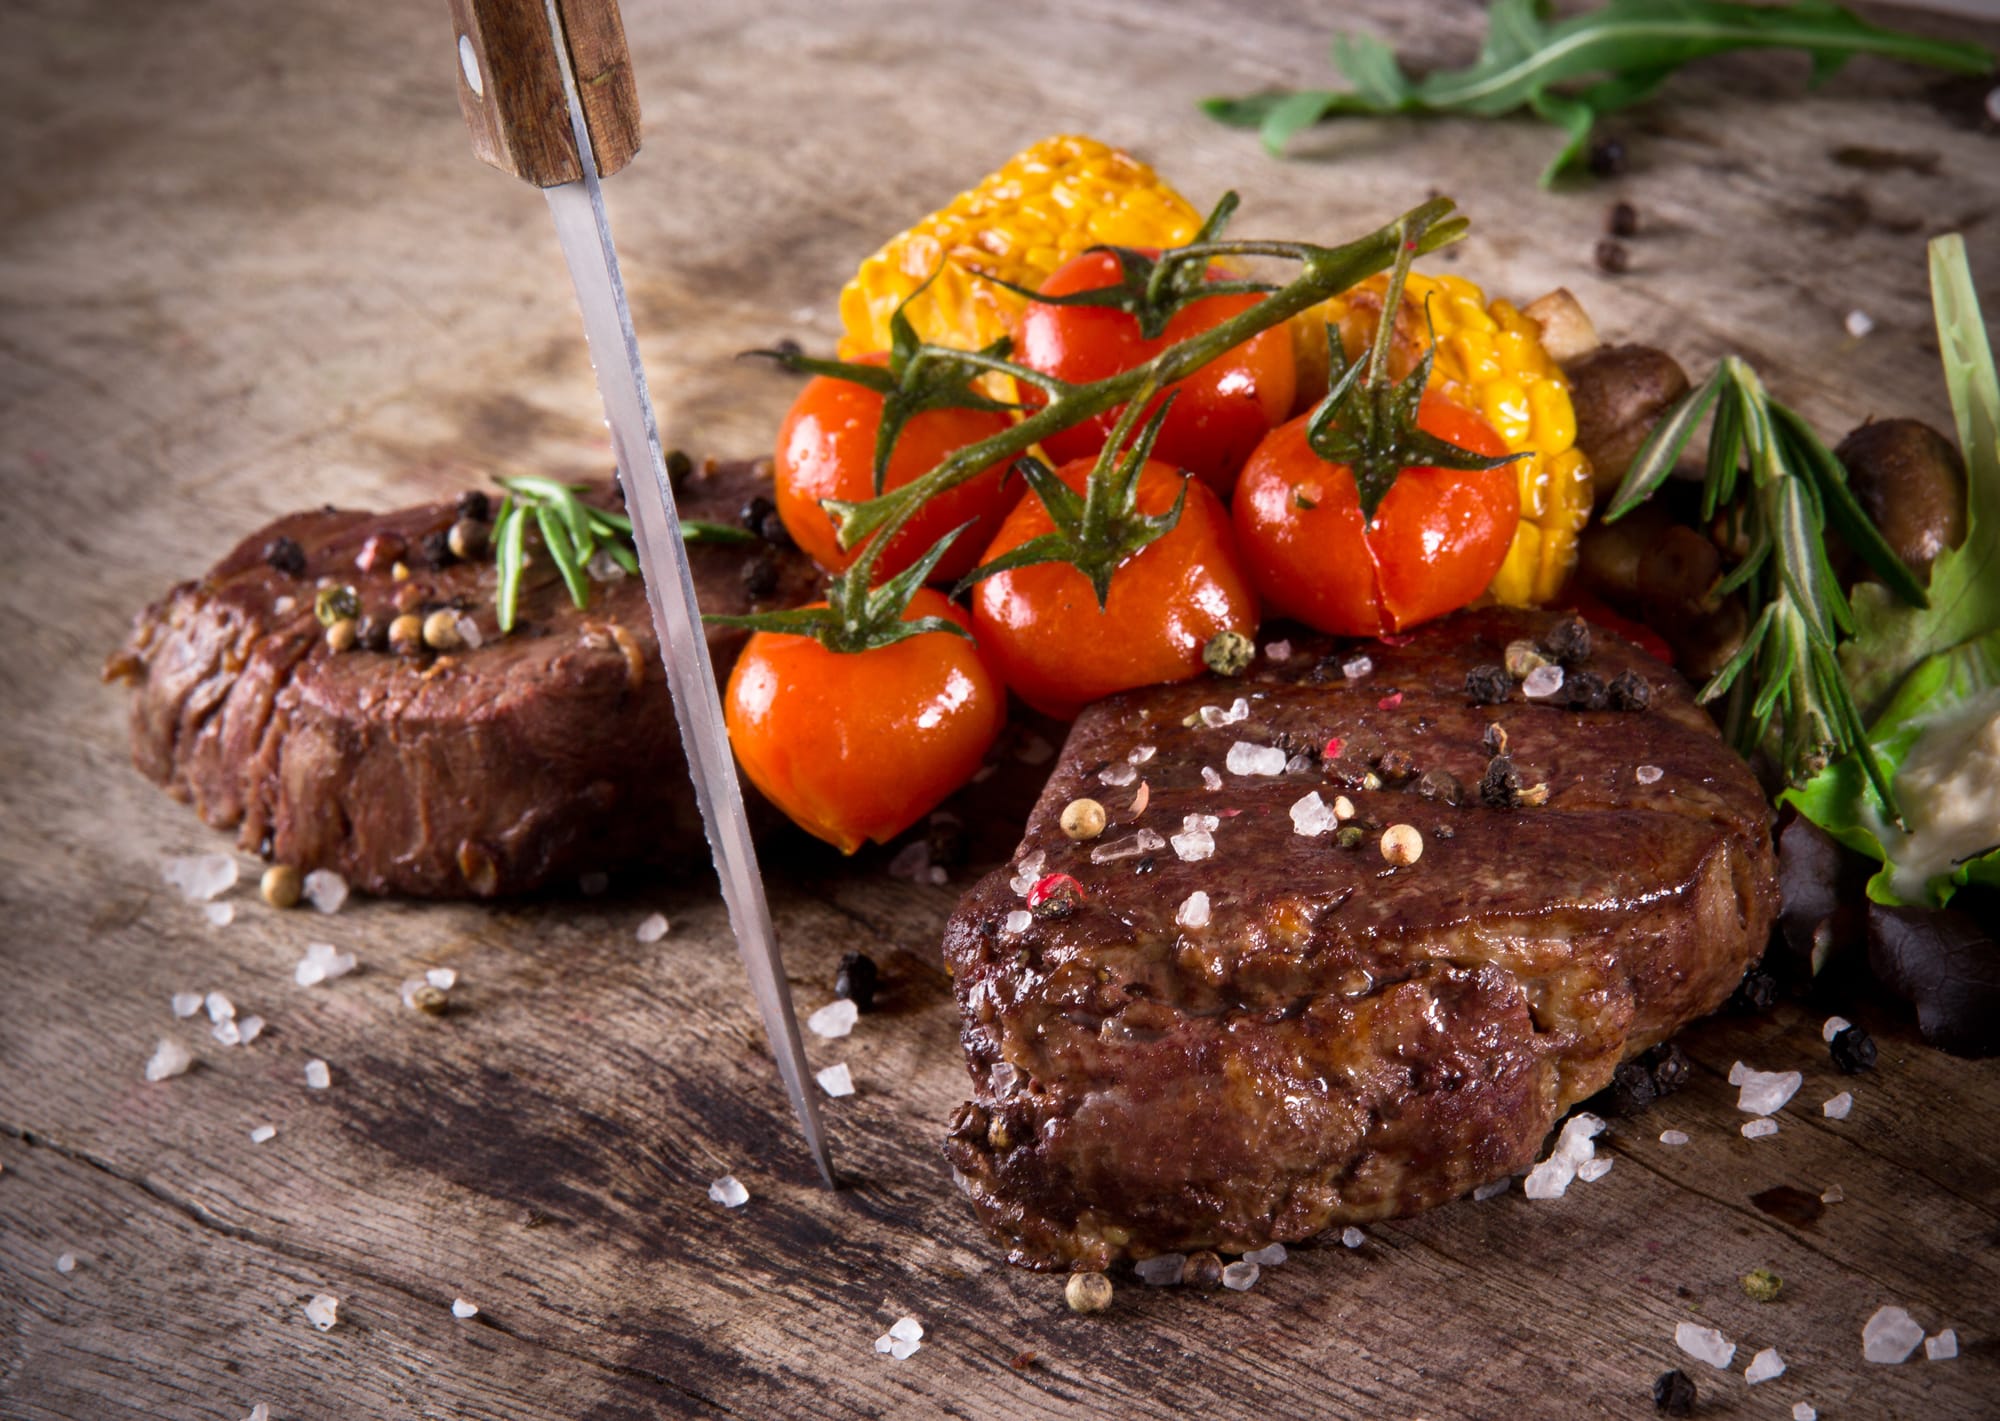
x=1230, y=1020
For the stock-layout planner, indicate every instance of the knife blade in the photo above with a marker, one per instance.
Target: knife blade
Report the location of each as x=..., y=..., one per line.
x=507, y=46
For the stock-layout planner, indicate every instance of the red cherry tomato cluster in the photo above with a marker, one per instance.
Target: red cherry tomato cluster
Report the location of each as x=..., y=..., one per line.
x=858, y=746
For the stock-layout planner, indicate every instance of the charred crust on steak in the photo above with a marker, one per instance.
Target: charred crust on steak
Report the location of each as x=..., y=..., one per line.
x=487, y=770
x=1338, y=1042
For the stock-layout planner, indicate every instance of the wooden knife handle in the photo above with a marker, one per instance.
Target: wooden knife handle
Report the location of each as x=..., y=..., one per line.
x=511, y=89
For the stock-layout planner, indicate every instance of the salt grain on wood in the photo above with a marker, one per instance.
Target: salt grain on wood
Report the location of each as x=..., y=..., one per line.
x=729, y=1192
x=318, y=1077
x=1765, y=1092
x=443, y=978
x=186, y=1004
x=219, y=915
x=323, y=962
x=1832, y=1027
x=1838, y=1106
x=1162, y=1270
x=1737, y=1072
x=261, y=1411
x=1890, y=1336
x=1765, y=1365
x=325, y=890
x=836, y=1081
x=1705, y=1344
x=220, y=1008
x=835, y=1019
x=1802, y=1411
x=1834, y=1194
x=1270, y=1256
x=1648, y=774
x=323, y=1311
x=1353, y=1237
x=66, y=1263
x=262, y=1133
x=652, y=927
x=1673, y=1137
x=1492, y=1190
x=1594, y=1168
x=170, y=1058
x=1941, y=1348
x=1240, y=1276
x=200, y=877
x=460, y=1308
x=227, y=1032
x=1760, y=1127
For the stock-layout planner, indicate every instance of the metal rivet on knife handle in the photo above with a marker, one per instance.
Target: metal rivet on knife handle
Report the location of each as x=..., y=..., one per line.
x=511, y=88
x=513, y=65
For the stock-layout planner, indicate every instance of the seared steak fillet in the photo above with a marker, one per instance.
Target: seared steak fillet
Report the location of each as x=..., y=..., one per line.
x=529, y=759
x=1341, y=1040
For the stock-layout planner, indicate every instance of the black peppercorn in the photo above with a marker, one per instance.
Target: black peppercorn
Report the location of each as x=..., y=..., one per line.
x=286, y=556
x=1853, y=1051
x=1585, y=690
x=1607, y=158
x=1673, y=1393
x=1621, y=219
x=1670, y=1068
x=1630, y=692
x=760, y=575
x=1612, y=258
x=1632, y=1089
x=1756, y=992
x=760, y=516
x=1500, y=786
x=474, y=504
x=1488, y=685
x=855, y=979
x=435, y=550
x=679, y=466
x=1568, y=641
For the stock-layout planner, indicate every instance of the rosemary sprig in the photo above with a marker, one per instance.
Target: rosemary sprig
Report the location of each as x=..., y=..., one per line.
x=572, y=532
x=1786, y=668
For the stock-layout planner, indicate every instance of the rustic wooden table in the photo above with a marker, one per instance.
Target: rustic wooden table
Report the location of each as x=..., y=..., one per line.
x=248, y=264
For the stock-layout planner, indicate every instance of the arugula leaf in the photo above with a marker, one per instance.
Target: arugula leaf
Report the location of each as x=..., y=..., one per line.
x=1890, y=638
x=1629, y=47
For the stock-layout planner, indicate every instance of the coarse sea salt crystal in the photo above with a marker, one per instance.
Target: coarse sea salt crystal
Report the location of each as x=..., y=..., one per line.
x=835, y=1019
x=1838, y=1107
x=1890, y=1336
x=907, y=1329
x=1278, y=651
x=170, y=1058
x=1765, y=1092
x=1594, y=1168
x=1648, y=774
x=325, y=890
x=1209, y=778
x=1312, y=816
x=1196, y=840
x=1028, y=872
x=1551, y=1178
x=1240, y=1276
x=1765, y=1365
x=1353, y=1237
x=1146, y=841
x=1492, y=1190
x=460, y=1308
x=1247, y=759
x=1542, y=682
x=1118, y=774
x=469, y=633
x=1738, y=1072
x=66, y=1263
x=1006, y=1080
x=1213, y=716
x=836, y=1081
x=1269, y=1256
x=1858, y=323
x=219, y=915
x=1705, y=1344
x=884, y=1343
x=323, y=962
x=227, y=1032
x=443, y=978
x=1162, y=1270
x=1142, y=753
x=1018, y=921
x=1832, y=1027
x=652, y=927
x=261, y=1411
x=1941, y=1348
x=200, y=877
x=220, y=1008
x=1193, y=912
x=249, y=1029
x=323, y=1311
x=729, y=1192
x=1355, y=667
x=1833, y=1194
x=318, y=1077
x=186, y=1004
x=262, y=1133
x=1673, y=1137
x=1802, y=1411
x=1760, y=1127
x=902, y=1349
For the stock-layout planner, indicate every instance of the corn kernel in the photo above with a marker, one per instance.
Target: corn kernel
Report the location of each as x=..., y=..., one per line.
x=1551, y=420
x=1505, y=405
x=1476, y=360
x=1468, y=314
x=1533, y=481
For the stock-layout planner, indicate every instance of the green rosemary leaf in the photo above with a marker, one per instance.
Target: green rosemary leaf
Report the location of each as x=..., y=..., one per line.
x=555, y=538
x=1655, y=458
x=697, y=530
x=508, y=533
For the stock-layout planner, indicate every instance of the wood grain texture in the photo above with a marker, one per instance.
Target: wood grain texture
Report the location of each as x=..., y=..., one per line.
x=222, y=300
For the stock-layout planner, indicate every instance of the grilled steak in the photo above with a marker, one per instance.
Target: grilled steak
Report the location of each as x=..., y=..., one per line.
x=491, y=769
x=1330, y=1038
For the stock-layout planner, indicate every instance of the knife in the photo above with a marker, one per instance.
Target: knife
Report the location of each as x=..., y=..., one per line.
x=547, y=90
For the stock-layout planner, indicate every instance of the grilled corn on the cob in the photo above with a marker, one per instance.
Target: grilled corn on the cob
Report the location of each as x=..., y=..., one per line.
x=1047, y=204
x=1490, y=358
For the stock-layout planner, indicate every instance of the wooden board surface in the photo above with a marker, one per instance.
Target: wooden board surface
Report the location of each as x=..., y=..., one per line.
x=247, y=263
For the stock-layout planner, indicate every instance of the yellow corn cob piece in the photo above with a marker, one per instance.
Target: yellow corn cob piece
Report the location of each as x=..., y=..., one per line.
x=1047, y=204
x=1489, y=359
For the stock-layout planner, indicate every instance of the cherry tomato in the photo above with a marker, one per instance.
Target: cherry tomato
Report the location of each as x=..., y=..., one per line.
x=1045, y=633
x=826, y=449
x=1438, y=538
x=1219, y=412
x=861, y=745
